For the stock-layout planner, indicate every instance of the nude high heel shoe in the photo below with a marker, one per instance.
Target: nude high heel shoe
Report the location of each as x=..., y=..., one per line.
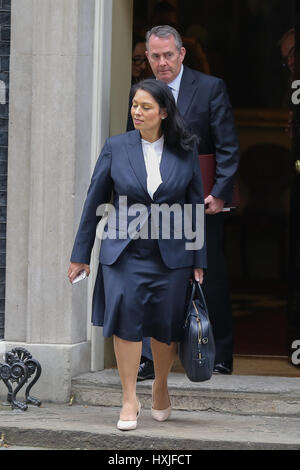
x=160, y=415
x=129, y=425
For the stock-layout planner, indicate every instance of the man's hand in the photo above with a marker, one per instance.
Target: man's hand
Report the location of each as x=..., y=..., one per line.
x=214, y=205
x=76, y=268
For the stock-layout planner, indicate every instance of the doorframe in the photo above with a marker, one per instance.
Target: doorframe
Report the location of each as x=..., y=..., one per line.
x=112, y=59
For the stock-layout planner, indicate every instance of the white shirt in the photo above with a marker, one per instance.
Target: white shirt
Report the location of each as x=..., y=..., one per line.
x=175, y=84
x=152, y=156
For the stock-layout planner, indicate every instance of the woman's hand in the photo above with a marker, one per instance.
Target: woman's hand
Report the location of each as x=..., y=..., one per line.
x=198, y=275
x=76, y=268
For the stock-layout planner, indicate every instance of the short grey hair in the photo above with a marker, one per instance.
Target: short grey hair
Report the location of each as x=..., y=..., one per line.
x=164, y=31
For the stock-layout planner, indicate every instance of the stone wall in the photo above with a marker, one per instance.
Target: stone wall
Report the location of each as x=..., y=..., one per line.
x=51, y=72
x=4, y=89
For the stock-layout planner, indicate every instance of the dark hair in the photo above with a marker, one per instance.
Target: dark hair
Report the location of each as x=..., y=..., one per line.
x=175, y=132
x=136, y=39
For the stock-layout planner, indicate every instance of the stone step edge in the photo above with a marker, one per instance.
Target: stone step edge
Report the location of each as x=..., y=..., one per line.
x=224, y=402
x=84, y=440
x=248, y=385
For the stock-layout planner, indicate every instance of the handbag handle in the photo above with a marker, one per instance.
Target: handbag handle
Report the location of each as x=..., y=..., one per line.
x=197, y=284
x=193, y=296
x=201, y=293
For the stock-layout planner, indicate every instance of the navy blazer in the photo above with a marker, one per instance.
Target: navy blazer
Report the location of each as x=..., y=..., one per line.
x=120, y=171
x=204, y=104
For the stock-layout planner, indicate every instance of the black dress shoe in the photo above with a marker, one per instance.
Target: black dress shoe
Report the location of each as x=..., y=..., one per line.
x=224, y=367
x=146, y=371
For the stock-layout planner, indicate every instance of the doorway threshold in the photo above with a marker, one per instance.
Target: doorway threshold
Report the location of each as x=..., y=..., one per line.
x=277, y=366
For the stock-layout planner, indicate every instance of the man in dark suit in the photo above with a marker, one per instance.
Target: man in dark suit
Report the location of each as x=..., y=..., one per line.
x=204, y=104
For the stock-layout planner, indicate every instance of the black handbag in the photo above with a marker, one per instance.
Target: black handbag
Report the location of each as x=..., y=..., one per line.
x=197, y=348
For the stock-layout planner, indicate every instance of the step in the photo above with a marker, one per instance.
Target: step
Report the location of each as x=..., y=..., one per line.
x=235, y=394
x=60, y=426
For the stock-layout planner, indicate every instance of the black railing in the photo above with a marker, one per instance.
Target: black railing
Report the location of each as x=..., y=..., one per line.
x=19, y=369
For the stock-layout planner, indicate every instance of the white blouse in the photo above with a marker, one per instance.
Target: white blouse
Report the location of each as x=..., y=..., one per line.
x=152, y=155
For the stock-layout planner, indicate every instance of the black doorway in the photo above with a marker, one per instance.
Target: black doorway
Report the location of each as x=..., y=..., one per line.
x=239, y=42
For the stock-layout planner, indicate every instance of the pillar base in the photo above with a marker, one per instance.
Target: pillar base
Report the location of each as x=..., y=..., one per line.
x=59, y=362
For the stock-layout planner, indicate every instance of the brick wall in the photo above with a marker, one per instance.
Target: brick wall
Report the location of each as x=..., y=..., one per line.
x=4, y=85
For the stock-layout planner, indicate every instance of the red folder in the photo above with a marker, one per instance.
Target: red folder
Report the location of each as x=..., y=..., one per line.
x=208, y=171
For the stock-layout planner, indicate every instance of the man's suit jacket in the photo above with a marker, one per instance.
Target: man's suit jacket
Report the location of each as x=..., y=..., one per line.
x=120, y=170
x=204, y=104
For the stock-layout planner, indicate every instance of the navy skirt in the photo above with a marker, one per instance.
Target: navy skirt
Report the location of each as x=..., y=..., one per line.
x=138, y=296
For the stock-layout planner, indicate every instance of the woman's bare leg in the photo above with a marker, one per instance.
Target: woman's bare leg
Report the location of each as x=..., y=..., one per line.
x=163, y=358
x=128, y=356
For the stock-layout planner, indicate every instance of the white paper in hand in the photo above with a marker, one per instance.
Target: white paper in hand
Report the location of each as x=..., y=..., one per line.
x=81, y=275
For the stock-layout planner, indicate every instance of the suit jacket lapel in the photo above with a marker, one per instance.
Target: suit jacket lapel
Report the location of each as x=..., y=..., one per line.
x=167, y=163
x=186, y=90
x=136, y=158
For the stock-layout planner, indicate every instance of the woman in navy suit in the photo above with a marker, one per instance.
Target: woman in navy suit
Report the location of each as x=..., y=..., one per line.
x=145, y=266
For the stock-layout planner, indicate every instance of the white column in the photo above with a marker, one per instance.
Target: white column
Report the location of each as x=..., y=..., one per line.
x=112, y=80
x=100, y=130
